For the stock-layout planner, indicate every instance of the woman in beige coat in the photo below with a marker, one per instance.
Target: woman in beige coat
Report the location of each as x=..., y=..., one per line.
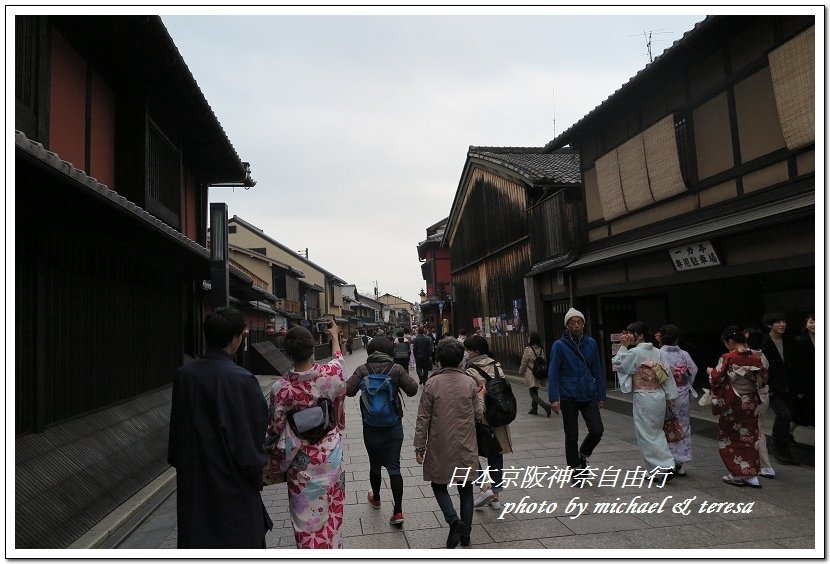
x=445, y=437
x=532, y=352
x=478, y=353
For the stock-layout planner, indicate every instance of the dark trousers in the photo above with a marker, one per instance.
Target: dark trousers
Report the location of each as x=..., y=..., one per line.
x=495, y=462
x=422, y=369
x=536, y=401
x=780, y=426
x=442, y=496
x=593, y=420
x=403, y=363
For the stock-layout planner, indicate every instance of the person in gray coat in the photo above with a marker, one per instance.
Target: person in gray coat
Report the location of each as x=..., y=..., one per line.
x=445, y=437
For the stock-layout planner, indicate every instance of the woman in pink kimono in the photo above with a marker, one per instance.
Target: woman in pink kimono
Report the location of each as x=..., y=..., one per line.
x=735, y=382
x=314, y=472
x=651, y=396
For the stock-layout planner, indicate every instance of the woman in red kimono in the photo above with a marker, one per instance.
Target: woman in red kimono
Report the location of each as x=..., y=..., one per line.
x=735, y=382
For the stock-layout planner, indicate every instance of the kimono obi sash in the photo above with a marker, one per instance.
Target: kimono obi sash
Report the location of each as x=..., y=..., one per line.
x=643, y=382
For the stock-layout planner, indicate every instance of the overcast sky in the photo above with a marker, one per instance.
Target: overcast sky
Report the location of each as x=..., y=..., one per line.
x=357, y=126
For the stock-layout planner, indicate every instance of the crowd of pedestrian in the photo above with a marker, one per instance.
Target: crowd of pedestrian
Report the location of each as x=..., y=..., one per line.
x=227, y=442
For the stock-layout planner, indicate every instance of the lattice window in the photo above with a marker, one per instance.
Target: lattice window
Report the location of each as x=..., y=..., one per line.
x=163, y=177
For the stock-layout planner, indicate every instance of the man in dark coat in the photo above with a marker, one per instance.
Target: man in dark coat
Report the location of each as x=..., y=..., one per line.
x=777, y=348
x=422, y=351
x=217, y=429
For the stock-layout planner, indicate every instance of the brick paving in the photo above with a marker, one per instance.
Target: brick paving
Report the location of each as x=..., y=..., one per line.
x=782, y=516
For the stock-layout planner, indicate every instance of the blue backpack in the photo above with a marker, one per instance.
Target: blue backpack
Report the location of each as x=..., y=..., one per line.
x=377, y=398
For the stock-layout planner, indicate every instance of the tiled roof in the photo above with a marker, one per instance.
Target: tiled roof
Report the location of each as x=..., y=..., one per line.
x=93, y=189
x=533, y=163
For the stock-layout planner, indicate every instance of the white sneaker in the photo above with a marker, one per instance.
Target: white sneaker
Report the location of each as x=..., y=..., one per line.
x=495, y=504
x=483, y=498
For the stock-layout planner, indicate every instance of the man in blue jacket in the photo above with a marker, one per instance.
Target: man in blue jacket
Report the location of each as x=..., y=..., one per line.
x=576, y=385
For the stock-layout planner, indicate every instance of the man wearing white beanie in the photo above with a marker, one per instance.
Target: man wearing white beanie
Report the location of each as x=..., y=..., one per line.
x=576, y=384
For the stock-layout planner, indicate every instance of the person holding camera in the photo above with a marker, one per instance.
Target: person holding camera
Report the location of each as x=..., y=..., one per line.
x=313, y=471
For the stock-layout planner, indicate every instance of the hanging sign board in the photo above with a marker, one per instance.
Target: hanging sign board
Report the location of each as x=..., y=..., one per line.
x=694, y=255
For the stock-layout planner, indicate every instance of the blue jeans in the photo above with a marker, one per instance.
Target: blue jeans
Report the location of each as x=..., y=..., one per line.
x=442, y=496
x=593, y=420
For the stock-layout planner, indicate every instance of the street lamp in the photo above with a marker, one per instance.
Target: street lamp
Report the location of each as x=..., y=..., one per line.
x=219, y=254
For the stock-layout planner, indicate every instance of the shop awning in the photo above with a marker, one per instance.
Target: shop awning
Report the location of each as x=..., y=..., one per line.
x=729, y=223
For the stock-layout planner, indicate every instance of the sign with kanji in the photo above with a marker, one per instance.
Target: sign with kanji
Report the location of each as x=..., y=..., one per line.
x=694, y=255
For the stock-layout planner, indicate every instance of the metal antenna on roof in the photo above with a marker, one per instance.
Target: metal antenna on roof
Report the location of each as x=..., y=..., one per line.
x=553, y=92
x=647, y=38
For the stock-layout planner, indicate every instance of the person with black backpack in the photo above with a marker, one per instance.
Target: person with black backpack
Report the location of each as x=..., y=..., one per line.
x=380, y=382
x=402, y=349
x=534, y=367
x=499, y=411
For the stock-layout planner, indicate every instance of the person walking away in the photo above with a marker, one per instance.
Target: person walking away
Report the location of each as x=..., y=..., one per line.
x=382, y=427
x=533, y=353
x=754, y=338
x=679, y=365
x=735, y=381
x=576, y=385
x=445, y=437
x=422, y=349
x=653, y=393
x=313, y=470
x=217, y=421
x=402, y=351
x=479, y=362
x=777, y=349
x=803, y=375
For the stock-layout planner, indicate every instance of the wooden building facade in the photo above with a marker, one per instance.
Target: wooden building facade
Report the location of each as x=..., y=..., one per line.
x=489, y=234
x=699, y=186
x=114, y=151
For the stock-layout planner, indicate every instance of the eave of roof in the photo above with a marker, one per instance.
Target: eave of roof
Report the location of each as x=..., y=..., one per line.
x=737, y=221
x=138, y=51
x=533, y=164
x=93, y=189
x=253, y=254
x=256, y=230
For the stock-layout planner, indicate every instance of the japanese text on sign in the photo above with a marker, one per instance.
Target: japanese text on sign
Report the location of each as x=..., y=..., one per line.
x=694, y=255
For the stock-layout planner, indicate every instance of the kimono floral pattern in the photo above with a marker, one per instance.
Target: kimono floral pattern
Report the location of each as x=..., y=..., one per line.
x=649, y=403
x=314, y=472
x=738, y=431
x=683, y=369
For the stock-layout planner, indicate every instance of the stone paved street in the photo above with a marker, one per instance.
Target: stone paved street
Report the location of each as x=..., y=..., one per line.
x=782, y=512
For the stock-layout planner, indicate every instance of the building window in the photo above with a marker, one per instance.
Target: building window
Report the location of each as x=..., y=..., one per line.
x=163, y=177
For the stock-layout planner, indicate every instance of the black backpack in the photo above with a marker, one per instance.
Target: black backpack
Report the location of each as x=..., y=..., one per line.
x=499, y=402
x=540, y=367
x=401, y=350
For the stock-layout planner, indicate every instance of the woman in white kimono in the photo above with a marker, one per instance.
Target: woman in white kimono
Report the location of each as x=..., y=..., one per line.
x=680, y=366
x=653, y=392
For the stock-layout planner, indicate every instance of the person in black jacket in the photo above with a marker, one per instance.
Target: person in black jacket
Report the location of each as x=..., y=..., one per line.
x=217, y=429
x=802, y=377
x=778, y=351
x=422, y=350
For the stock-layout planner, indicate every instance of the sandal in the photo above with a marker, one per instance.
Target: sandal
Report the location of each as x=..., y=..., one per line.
x=733, y=481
